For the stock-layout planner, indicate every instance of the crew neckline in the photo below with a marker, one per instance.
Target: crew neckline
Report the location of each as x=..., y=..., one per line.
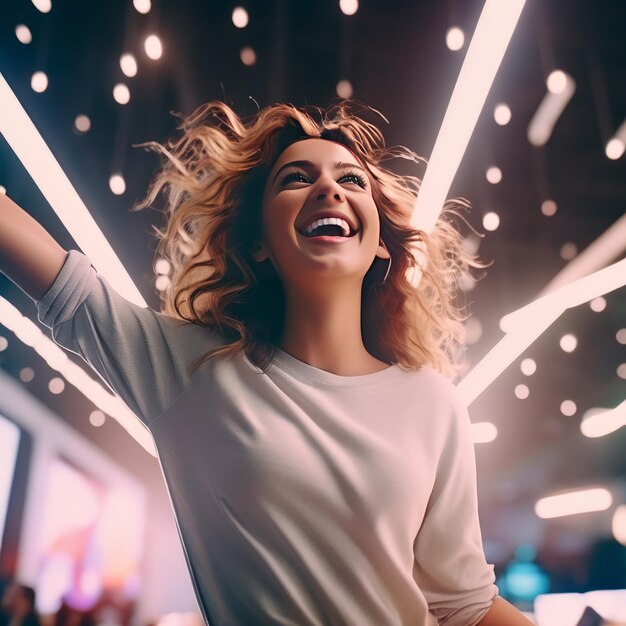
x=308, y=373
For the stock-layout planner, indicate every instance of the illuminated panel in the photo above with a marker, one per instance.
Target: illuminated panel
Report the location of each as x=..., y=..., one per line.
x=9, y=443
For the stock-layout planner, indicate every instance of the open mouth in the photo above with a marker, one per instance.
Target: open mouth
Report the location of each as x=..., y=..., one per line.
x=328, y=232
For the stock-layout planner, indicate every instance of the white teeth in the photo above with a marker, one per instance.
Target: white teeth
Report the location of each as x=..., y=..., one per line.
x=329, y=220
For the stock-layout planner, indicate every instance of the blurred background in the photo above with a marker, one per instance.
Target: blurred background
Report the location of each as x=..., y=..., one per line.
x=84, y=516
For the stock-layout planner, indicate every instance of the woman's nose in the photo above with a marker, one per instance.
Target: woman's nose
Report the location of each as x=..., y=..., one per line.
x=329, y=189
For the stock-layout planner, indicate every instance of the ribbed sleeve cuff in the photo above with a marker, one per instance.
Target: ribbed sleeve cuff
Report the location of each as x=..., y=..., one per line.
x=68, y=291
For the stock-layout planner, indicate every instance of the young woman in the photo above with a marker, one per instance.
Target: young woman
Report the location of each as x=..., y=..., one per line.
x=319, y=462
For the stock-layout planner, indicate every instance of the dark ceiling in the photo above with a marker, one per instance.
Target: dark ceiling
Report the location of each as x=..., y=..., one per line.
x=394, y=54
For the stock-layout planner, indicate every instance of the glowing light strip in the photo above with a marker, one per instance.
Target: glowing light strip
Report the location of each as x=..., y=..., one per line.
x=599, y=424
x=490, y=40
x=30, y=334
x=526, y=324
x=31, y=149
x=574, y=502
x=548, y=112
x=608, y=246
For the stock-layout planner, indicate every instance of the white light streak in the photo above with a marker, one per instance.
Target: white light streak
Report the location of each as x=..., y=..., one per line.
x=455, y=38
x=618, y=524
x=522, y=327
x=30, y=148
x=494, y=175
x=57, y=359
x=247, y=56
x=492, y=35
x=39, y=82
x=561, y=88
x=568, y=343
x=344, y=89
x=142, y=6
x=602, y=422
x=121, y=93
x=484, y=432
x=502, y=114
x=23, y=34
x=128, y=65
x=45, y=6
x=240, y=17
x=573, y=503
x=153, y=47
x=595, y=256
x=349, y=7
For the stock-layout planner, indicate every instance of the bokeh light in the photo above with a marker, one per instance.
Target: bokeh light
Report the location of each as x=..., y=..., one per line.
x=568, y=251
x=502, y=114
x=142, y=6
x=23, y=34
x=568, y=343
x=56, y=385
x=117, y=184
x=247, y=56
x=97, y=418
x=82, y=123
x=39, y=82
x=494, y=175
x=528, y=367
x=344, y=89
x=153, y=47
x=128, y=65
x=568, y=407
x=556, y=81
x=455, y=39
x=45, y=6
x=27, y=374
x=349, y=7
x=491, y=221
x=548, y=208
x=522, y=392
x=240, y=17
x=614, y=148
x=598, y=304
x=121, y=93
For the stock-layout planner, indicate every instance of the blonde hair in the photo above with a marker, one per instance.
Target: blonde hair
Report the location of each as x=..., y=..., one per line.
x=213, y=179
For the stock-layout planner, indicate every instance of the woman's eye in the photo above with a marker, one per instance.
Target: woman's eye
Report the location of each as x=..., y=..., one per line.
x=355, y=178
x=297, y=177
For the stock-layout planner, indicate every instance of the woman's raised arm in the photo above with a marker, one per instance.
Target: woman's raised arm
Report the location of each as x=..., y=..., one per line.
x=29, y=255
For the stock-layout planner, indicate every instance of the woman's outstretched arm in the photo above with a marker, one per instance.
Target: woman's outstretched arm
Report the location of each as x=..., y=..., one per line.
x=29, y=255
x=502, y=613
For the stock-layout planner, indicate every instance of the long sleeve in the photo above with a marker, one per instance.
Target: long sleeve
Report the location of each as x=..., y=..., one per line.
x=450, y=564
x=142, y=355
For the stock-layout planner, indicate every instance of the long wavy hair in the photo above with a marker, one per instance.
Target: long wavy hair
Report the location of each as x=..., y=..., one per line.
x=213, y=178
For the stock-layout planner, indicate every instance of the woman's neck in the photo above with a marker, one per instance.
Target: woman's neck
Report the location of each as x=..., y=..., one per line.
x=325, y=332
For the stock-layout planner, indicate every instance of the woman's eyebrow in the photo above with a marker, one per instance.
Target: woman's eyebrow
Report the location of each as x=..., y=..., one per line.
x=307, y=164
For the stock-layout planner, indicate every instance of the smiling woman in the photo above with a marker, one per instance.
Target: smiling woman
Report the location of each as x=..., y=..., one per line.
x=320, y=469
x=223, y=178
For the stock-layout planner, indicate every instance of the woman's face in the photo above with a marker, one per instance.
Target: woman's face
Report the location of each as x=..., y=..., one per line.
x=317, y=178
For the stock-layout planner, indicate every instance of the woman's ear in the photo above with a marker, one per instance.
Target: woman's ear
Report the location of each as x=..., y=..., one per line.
x=382, y=251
